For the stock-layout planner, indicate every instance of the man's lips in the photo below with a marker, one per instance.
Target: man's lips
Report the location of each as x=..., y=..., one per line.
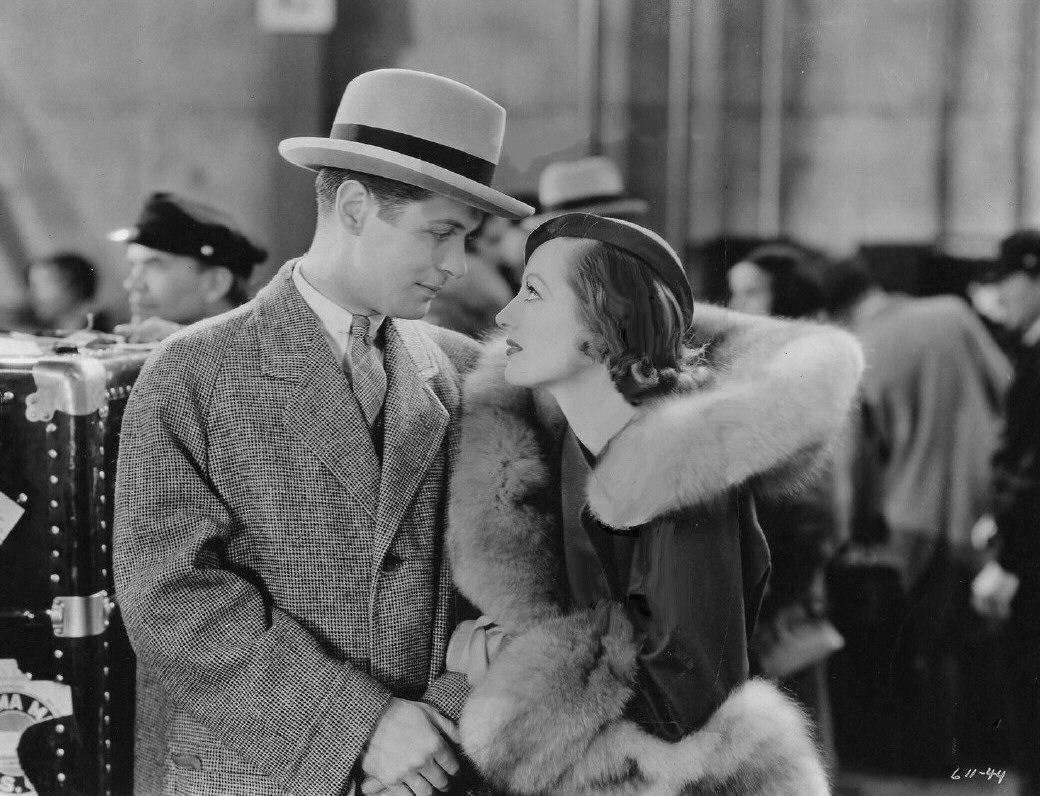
x=512, y=347
x=431, y=288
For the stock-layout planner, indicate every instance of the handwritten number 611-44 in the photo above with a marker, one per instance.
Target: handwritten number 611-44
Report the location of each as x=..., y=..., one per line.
x=971, y=773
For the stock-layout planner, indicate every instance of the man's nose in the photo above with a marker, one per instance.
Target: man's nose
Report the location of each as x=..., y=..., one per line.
x=454, y=263
x=133, y=279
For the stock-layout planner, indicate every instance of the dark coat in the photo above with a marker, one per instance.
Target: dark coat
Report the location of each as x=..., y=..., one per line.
x=277, y=585
x=1016, y=492
x=550, y=715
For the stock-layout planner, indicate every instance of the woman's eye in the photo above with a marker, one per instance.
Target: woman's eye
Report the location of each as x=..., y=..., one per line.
x=530, y=293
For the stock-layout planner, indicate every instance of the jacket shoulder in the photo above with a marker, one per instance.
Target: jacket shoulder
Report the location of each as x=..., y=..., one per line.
x=197, y=353
x=463, y=352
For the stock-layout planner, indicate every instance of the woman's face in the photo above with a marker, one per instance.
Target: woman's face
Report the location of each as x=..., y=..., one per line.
x=750, y=289
x=543, y=323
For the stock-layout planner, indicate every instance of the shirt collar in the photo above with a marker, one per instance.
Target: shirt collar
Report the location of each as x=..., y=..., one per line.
x=333, y=317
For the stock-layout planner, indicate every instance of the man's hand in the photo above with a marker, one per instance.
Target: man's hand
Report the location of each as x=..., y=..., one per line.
x=409, y=752
x=151, y=330
x=983, y=532
x=993, y=590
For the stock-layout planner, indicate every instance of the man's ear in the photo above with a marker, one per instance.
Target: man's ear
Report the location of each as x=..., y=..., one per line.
x=217, y=281
x=354, y=202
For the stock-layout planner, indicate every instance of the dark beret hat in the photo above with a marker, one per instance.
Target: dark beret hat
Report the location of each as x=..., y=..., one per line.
x=642, y=243
x=1019, y=251
x=173, y=224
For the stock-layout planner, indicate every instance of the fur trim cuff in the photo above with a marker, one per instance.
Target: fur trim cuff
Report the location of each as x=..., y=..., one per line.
x=548, y=719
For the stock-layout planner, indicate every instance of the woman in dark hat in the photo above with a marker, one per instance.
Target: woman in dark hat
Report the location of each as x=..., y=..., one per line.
x=602, y=519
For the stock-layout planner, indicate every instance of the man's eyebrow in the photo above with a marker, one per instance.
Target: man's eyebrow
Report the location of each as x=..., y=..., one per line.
x=454, y=223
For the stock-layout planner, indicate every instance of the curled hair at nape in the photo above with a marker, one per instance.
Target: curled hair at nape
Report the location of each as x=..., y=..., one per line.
x=635, y=321
x=594, y=346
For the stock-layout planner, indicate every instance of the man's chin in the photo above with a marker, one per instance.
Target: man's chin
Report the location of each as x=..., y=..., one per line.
x=411, y=313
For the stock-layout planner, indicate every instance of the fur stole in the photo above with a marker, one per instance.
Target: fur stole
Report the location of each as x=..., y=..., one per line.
x=547, y=718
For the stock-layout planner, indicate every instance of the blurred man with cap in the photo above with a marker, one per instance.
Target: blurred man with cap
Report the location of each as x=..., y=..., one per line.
x=586, y=185
x=281, y=491
x=188, y=261
x=1009, y=587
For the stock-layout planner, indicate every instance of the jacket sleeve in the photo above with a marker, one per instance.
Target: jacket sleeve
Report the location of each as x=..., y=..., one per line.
x=448, y=694
x=786, y=380
x=245, y=669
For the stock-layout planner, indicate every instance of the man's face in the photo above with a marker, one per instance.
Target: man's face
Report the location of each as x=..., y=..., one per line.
x=750, y=289
x=1019, y=296
x=400, y=264
x=168, y=286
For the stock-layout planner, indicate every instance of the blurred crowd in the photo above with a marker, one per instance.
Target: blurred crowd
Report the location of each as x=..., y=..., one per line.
x=900, y=609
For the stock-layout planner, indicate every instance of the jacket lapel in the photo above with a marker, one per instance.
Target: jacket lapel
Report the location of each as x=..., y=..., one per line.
x=414, y=422
x=321, y=410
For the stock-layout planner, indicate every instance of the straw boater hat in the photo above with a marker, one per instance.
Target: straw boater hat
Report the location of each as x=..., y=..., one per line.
x=416, y=128
x=588, y=185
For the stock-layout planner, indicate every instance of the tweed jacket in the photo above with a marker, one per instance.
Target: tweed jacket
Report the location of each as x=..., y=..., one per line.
x=550, y=715
x=277, y=584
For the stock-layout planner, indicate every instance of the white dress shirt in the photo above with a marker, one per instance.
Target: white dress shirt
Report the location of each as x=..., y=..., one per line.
x=335, y=321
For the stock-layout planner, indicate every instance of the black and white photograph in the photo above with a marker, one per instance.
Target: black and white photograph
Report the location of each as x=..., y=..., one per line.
x=520, y=397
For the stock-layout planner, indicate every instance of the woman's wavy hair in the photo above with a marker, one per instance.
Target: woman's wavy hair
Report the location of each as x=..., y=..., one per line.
x=635, y=322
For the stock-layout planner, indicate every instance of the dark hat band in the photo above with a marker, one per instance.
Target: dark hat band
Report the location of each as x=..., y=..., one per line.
x=628, y=237
x=455, y=160
x=583, y=201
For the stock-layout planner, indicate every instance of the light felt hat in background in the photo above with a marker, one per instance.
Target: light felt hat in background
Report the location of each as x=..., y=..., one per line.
x=587, y=185
x=417, y=128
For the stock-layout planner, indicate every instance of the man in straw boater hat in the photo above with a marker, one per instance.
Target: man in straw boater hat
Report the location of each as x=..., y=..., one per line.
x=585, y=185
x=281, y=489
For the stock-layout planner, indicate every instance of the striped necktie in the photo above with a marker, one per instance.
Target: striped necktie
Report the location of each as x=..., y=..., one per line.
x=366, y=371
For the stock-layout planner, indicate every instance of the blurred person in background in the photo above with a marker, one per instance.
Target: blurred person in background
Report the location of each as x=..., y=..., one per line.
x=501, y=241
x=793, y=637
x=586, y=185
x=915, y=482
x=61, y=294
x=775, y=279
x=187, y=261
x=1008, y=588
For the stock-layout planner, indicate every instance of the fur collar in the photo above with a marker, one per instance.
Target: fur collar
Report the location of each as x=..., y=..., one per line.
x=775, y=398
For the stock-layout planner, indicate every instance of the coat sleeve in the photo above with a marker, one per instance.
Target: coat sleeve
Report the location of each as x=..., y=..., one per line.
x=248, y=671
x=785, y=380
x=1016, y=474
